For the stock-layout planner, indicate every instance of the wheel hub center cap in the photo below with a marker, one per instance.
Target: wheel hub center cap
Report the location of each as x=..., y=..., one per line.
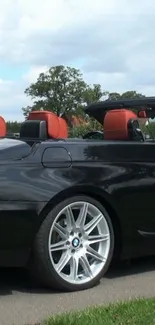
x=75, y=242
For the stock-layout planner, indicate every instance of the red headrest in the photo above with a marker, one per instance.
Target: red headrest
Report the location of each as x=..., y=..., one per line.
x=142, y=114
x=56, y=126
x=2, y=127
x=63, y=128
x=116, y=124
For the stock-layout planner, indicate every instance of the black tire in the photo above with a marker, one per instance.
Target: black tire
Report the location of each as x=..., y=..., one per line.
x=40, y=260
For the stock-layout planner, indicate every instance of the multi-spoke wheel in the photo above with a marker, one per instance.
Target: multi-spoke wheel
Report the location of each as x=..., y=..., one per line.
x=75, y=244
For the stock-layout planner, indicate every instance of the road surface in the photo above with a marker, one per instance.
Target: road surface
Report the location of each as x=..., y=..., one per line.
x=23, y=303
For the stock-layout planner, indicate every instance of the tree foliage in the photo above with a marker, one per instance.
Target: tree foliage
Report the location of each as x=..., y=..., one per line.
x=64, y=91
x=13, y=127
x=93, y=94
x=126, y=95
x=61, y=90
x=81, y=130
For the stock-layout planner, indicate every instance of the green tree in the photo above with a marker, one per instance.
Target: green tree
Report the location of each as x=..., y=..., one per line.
x=13, y=126
x=63, y=91
x=60, y=90
x=114, y=96
x=93, y=94
x=131, y=94
x=127, y=95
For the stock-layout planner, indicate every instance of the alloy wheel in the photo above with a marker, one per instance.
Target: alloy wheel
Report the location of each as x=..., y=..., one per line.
x=79, y=242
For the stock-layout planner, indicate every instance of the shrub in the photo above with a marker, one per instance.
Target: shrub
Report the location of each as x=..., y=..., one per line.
x=81, y=130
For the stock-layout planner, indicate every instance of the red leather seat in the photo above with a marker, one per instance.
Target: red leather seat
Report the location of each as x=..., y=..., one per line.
x=63, y=128
x=51, y=119
x=2, y=127
x=56, y=126
x=121, y=124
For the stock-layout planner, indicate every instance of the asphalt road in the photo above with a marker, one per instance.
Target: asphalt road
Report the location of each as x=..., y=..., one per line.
x=22, y=302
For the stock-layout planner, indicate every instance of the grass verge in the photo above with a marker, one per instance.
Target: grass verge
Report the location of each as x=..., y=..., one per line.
x=135, y=312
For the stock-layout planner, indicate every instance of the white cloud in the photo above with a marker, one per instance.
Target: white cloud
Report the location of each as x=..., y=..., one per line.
x=12, y=98
x=12, y=94
x=43, y=30
x=32, y=75
x=113, y=42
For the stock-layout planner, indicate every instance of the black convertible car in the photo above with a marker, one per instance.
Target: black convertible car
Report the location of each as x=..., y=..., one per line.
x=70, y=206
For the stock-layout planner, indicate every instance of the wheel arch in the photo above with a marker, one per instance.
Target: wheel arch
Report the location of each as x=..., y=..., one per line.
x=102, y=197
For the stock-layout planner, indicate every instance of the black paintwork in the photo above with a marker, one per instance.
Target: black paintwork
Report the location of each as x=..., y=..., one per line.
x=33, y=178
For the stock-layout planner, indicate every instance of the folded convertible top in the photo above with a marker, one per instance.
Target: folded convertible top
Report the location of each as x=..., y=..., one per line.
x=99, y=109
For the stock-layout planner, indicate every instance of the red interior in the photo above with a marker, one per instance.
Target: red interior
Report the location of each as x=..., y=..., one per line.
x=2, y=127
x=51, y=119
x=116, y=124
x=56, y=126
x=63, y=128
x=142, y=114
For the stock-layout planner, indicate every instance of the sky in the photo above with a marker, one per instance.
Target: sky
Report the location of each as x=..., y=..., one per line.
x=112, y=42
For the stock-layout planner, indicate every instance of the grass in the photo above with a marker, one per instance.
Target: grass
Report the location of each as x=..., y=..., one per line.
x=135, y=312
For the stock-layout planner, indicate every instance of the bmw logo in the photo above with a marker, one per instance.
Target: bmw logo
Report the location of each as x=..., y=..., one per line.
x=75, y=242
